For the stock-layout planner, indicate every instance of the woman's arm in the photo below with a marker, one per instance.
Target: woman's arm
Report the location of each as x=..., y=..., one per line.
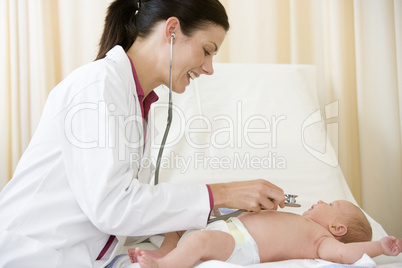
x=331, y=249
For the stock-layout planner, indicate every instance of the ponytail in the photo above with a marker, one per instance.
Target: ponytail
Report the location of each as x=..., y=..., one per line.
x=119, y=28
x=128, y=19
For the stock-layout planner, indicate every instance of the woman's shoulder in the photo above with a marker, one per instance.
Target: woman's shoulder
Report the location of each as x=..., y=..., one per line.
x=115, y=68
x=116, y=65
x=93, y=82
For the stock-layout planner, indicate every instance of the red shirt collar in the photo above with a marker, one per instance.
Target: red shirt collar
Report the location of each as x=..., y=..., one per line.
x=151, y=98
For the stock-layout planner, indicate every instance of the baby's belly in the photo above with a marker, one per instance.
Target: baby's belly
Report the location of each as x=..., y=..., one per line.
x=282, y=236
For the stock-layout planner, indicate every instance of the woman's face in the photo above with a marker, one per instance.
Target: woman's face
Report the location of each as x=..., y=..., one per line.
x=192, y=56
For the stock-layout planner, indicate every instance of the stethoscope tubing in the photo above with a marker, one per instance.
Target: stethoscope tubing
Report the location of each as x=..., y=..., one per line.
x=169, y=118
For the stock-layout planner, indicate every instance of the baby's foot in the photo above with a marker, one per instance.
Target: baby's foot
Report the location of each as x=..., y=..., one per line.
x=155, y=254
x=146, y=261
x=133, y=254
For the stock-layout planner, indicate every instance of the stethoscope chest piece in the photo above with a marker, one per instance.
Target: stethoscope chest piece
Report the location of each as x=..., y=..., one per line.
x=290, y=200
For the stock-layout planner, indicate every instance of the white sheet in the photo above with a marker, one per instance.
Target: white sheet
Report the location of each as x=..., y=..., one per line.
x=257, y=121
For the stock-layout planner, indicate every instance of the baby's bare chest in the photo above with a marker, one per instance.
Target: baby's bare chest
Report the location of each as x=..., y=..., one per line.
x=283, y=236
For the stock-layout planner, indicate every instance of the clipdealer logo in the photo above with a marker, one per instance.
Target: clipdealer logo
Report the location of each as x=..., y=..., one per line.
x=100, y=125
x=220, y=131
x=110, y=130
x=237, y=139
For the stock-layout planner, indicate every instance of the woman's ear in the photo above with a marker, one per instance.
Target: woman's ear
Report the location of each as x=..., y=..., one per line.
x=338, y=229
x=172, y=26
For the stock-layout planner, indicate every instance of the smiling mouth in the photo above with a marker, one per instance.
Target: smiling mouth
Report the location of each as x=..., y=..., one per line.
x=192, y=75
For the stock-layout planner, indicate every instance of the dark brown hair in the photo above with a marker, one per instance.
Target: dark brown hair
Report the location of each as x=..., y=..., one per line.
x=123, y=24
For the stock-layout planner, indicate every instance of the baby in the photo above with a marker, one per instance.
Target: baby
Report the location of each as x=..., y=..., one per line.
x=337, y=232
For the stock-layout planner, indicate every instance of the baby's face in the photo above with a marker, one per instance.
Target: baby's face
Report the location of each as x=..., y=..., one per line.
x=326, y=214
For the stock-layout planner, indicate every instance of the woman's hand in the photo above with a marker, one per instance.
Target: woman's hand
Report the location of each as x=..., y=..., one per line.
x=254, y=195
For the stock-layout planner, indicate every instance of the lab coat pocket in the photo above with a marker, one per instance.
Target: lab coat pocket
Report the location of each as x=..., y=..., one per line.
x=21, y=251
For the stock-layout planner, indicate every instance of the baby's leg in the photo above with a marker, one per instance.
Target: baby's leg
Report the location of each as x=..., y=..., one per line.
x=201, y=245
x=168, y=244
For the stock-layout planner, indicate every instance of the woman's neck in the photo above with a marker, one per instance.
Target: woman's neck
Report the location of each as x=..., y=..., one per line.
x=145, y=55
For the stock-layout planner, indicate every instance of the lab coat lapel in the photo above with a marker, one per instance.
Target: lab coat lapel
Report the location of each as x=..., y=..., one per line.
x=120, y=244
x=147, y=167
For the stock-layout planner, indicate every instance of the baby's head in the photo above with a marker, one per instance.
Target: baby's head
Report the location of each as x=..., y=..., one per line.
x=344, y=220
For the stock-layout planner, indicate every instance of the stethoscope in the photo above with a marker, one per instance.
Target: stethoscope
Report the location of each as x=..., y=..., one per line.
x=169, y=118
x=290, y=199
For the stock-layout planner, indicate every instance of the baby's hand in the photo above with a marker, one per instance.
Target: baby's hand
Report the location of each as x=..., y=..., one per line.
x=391, y=246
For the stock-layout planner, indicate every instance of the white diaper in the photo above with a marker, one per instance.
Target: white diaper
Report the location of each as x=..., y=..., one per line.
x=245, y=251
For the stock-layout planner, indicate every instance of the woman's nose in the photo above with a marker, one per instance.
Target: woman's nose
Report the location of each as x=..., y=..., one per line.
x=207, y=67
x=320, y=202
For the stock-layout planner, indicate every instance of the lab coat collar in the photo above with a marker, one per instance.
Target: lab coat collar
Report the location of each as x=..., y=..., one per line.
x=117, y=54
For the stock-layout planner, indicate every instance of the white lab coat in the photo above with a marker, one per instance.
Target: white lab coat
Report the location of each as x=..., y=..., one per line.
x=85, y=175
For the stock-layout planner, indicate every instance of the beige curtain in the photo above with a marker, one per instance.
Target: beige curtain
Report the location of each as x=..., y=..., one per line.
x=29, y=68
x=41, y=42
x=355, y=44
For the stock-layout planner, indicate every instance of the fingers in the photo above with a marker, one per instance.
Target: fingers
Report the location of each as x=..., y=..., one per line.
x=264, y=196
x=276, y=195
x=391, y=245
x=251, y=195
x=268, y=203
x=397, y=246
x=269, y=196
x=261, y=195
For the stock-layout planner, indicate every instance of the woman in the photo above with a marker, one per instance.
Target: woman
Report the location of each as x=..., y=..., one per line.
x=82, y=180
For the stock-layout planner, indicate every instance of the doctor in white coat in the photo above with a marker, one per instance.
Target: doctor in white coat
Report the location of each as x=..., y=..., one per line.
x=82, y=185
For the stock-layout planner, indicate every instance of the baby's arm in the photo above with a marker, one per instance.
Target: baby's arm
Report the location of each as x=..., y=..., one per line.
x=331, y=249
